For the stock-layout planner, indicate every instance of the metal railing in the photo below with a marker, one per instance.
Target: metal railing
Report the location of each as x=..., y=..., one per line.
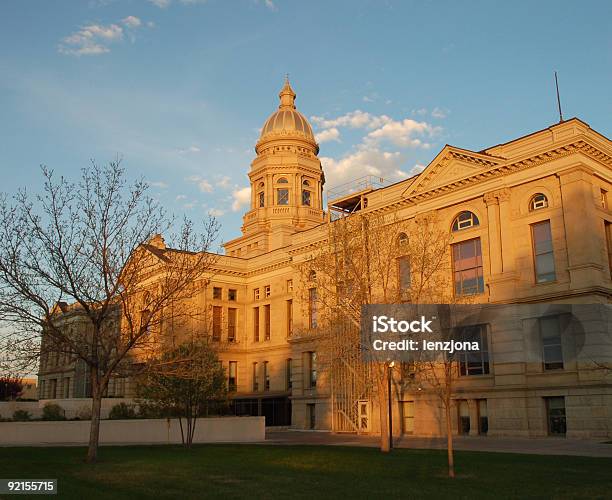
x=355, y=186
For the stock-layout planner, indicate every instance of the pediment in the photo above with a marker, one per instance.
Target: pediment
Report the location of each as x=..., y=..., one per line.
x=450, y=165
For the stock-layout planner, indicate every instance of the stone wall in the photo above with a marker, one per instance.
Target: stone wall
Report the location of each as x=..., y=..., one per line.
x=136, y=431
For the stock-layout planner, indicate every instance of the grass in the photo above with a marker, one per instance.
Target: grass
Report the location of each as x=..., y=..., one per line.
x=257, y=471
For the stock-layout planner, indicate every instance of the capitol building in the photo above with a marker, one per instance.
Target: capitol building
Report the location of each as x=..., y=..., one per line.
x=529, y=222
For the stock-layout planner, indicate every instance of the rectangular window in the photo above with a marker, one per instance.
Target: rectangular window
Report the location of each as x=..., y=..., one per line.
x=267, y=292
x=544, y=258
x=467, y=267
x=474, y=362
x=232, y=381
x=231, y=295
x=310, y=369
x=267, y=321
x=403, y=270
x=555, y=415
x=306, y=197
x=289, y=317
x=255, y=380
x=53, y=391
x=217, y=292
x=312, y=308
x=261, y=199
x=552, y=350
x=483, y=417
x=312, y=416
x=217, y=317
x=608, y=235
x=289, y=286
x=464, y=417
x=407, y=417
x=231, y=324
x=266, y=376
x=256, y=294
x=289, y=374
x=256, y=324
x=282, y=197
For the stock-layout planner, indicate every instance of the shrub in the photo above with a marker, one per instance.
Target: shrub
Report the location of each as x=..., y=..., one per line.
x=83, y=413
x=121, y=411
x=148, y=410
x=52, y=411
x=21, y=416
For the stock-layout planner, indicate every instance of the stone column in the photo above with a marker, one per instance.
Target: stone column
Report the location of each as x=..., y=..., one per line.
x=495, y=247
x=503, y=197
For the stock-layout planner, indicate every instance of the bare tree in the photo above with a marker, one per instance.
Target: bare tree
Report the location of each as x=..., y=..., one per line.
x=381, y=259
x=83, y=273
x=357, y=266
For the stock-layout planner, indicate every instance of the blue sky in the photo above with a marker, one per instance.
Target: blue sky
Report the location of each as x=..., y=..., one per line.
x=179, y=89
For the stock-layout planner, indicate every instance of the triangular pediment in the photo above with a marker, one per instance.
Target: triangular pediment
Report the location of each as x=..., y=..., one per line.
x=450, y=165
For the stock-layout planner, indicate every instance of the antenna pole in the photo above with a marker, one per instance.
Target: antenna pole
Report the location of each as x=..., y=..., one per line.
x=558, y=99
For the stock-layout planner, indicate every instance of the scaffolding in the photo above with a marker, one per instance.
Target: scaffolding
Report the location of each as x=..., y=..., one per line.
x=351, y=196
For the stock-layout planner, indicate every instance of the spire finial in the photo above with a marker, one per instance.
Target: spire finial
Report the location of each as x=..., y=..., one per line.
x=287, y=95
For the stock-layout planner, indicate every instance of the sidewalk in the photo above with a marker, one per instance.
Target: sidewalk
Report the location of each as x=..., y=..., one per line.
x=535, y=446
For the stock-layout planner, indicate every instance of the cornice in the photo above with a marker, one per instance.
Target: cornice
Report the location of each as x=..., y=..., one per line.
x=504, y=169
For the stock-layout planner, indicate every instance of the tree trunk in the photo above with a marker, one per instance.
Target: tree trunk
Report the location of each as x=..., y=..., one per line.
x=449, y=440
x=384, y=415
x=96, y=404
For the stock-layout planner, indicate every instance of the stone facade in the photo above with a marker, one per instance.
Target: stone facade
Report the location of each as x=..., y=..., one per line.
x=553, y=185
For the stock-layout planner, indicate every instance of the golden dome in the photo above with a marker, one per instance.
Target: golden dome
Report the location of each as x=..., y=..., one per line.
x=287, y=121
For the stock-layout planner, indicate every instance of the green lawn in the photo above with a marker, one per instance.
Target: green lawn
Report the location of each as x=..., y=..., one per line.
x=258, y=471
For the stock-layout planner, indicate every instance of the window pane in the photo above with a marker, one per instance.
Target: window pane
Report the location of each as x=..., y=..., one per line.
x=404, y=273
x=283, y=196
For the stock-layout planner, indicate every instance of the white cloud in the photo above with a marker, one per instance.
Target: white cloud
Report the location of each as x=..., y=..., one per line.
x=270, y=4
x=162, y=4
x=330, y=134
x=241, y=198
x=216, y=212
x=159, y=184
x=190, y=149
x=95, y=39
x=353, y=119
x=364, y=161
x=439, y=113
x=402, y=133
x=92, y=39
x=131, y=21
x=224, y=182
x=203, y=184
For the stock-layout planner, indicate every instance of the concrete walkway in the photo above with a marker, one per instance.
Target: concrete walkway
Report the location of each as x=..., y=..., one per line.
x=535, y=446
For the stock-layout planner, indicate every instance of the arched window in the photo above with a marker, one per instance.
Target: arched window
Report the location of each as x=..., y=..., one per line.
x=465, y=220
x=282, y=180
x=261, y=197
x=312, y=276
x=306, y=183
x=537, y=202
x=402, y=240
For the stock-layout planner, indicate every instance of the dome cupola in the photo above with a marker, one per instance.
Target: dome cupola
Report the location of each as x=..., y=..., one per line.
x=286, y=123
